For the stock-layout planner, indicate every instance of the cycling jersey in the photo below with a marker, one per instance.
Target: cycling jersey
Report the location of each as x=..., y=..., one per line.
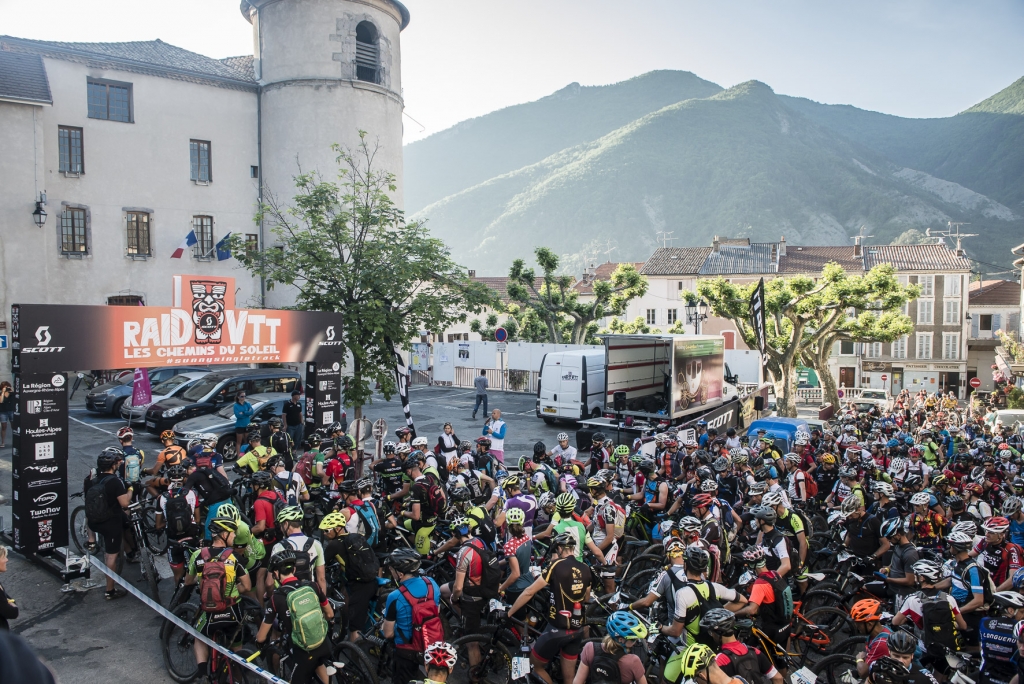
x=575, y=529
x=391, y=473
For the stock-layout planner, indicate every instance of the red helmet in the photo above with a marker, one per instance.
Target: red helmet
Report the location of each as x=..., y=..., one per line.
x=125, y=433
x=974, y=488
x=702, y=500
x=999, y=525
x=670, y=443
x=439, y=654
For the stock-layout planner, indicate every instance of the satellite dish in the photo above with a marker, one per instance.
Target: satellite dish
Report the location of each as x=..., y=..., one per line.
x=928, y=232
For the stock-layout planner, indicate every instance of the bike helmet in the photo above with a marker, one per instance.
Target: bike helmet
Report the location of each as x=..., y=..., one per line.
x=622, y=450
x=546, y=499
x=702, y=500
x=967, y=527
x=1011, y=506
x=562, y=437
x=405, y=560
x=283, y=560
x=920, y=499
x=940, y=480
x=564, y=540
x=897, y=464
x=460, y=494
x=125, y=433
x=108, y=457
x=696, y=658
x=485, y=441
x=440, y=655
x=997, y=525
x=757, y=489
x=515, y=516
x=866, y=610
x=332, y=520
x=460, y=524
x=289, y=513
x=647, y=466
x=403, y=448
x=676, y=548
x=754, y=555
x=689, y=523
x=955, y=502
x=1008, y=599
x=708, y=486
x=419, y=443
x=565, y=503
x=902, y=642
x=847, y=471
x=740, y=458
x=511, y=482
x=624, y=625
x=596, y=483
x=223, y=524
x=850, y=504
x=272, y=462
x=885, y=489
x=704, y=473
x=229, y=510
x=669, y=443
x=719, y=621
x=166, y=435
x=697, y=558
x=828, y=459
x=928, y=570
x=891, y=527
x=772, y=499
x=389, y=448
x=792, y=458
x=912, y=481
x=262, y=479
x=889, y=670
x=413, y=461
x=177, y=472
x=598, y=437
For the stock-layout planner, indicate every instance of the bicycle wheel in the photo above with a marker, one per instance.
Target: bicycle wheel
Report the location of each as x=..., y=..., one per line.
x=80, y=530
x=495, y=666
x=815, y=632
x=836, y=669
x=356, y=666
x=816, y=598
x=179, y=658
x=636, y=585
x=148, y=568
x=850, y=646
x=243, y=675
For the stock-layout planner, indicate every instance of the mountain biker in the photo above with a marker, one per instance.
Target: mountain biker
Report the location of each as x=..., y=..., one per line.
x=609, y=526
x=403, y=565
x=768, y=599
x=518, y=500
x=181, y=529
x=970, y=583
x=257, y=456
x=213, y=488
x=1000, y=557
x=107, y=517
x=288, y=482
x=130, y=469
x=771, y=540
x=518, y=554
x=289, y=520
x=171, y=455
x=735, y=658
x=280, y=442
x=565, y=522
x=392, y=475
x=421, y=516
x=221, y=614
x=439, y=658
x=698, y=665
x=867, y=621
x=570, y=582
x=864, y=535
x=791, y=526
x=696, y=595
x=899, y=577
x=930, y=575
x=928, y=527
x=466, y=592
x=358, y=563
x=278, y=613
x=624, y=630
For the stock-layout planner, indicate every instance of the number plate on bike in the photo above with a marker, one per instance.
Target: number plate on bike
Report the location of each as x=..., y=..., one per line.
x=804, y=676
x=495, y=605
x=520, y=667
x=844, y=556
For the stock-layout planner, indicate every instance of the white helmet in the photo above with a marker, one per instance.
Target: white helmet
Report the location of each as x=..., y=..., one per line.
x=562, y=437
x=772, y=499
x=921, y=499
x=419, y=442
x=884, y=488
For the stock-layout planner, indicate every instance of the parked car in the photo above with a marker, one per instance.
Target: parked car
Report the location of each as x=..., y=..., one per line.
x=221, y=423
x=1010, y=417
x=109, y=397
x=168, y=388
x=872, y=397
x=215, y=390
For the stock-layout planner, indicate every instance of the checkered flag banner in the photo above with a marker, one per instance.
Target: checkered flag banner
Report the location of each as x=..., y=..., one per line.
x=402, y=381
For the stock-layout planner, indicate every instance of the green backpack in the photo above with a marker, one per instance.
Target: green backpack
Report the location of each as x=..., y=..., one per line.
x=309, y=628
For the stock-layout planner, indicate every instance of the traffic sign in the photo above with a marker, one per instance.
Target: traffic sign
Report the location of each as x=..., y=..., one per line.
x=500, y=334
x=975, y=382
x=502, y=347
x=380, y=428
x=841, y=393
x=3, y=341
x=884, y=377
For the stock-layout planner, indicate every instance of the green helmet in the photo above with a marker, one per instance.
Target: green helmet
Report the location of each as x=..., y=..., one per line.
x=565, y=503
x=229, y=510
x=289, y=513
x=515, y=516
x=622, y=450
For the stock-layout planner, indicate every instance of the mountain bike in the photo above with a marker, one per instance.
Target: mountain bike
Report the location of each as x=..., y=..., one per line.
x=145, y=548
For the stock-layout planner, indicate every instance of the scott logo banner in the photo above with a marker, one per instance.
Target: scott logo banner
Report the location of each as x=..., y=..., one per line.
x=205, y=329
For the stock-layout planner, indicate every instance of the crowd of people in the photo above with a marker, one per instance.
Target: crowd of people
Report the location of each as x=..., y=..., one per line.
x=654, y=560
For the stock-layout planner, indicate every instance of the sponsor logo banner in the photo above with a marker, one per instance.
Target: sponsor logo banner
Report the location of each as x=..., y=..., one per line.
x=323, y=393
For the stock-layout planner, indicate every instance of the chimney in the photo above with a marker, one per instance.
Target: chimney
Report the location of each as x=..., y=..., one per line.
x=714, y=244
x=782, y=246
x=774, y=253
x=472, y=273
x=858, y=251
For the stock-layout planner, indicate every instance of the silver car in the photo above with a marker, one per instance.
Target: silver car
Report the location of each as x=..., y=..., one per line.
x=168, y=388
x=221, y=424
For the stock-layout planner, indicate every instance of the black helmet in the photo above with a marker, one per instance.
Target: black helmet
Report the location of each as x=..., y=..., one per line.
x=283, y=560
x=696, y=558
x=460, y=494
x=262, y=479
x=719, y=621
x=177, y=472
x=598, y=437
x=275, y=461
x=902, y=642
x=275, y=422
x=412, y=461
x=108, y=457
x=345, y=442
x=348, y=487
x=721, y=464
x=888, y=670
x=539, y=448
x=405, y=560
x=564, y=540
x=764, y=514
x=335, y=427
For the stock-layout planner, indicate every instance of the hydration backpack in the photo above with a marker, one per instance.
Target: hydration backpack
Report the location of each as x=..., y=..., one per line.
x=288, y=488
x=97, y=510
x=427, y=627
x=303, y=563
x=217, y=572
x=810, y=484
x=551, y=477
x=938, y=629
x=180, y=514
x=490, y=573
x=132, y=466
x=368, y=514
x=604, y=667
x=361, y=564
x=309, y=628
x=746, y=666
x=485, y=528
x=436, y=500
x=705, y=602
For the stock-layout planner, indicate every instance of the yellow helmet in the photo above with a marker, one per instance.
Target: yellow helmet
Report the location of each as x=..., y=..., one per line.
x=332, y=520
x=828, y=459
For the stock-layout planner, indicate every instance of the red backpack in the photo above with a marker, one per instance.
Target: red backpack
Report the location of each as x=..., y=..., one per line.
x=213, y=595
x=427, y=627
x=436, y=500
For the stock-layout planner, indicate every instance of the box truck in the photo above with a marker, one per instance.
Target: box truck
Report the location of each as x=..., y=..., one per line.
x=571, y=385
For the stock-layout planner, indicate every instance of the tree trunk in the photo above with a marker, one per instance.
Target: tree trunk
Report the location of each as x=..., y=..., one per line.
x=830, y=394
x=357, y=414
x=785, y=385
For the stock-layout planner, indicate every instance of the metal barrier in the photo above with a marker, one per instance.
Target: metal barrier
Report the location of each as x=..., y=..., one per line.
x=815, y=395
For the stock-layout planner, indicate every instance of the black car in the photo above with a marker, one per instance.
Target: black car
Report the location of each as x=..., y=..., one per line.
x=217, y=389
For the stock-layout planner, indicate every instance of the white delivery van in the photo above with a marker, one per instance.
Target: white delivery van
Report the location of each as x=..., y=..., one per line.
x=571, y=385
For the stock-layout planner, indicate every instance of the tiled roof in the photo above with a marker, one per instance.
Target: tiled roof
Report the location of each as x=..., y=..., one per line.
x=915, y=258
x=585, y=285
x=242, y=65
x=994, y=293
x=729, y=260
x=23, y=77
x=500, y=284
x=151, y=56
x=812, y=259
x=676, y=261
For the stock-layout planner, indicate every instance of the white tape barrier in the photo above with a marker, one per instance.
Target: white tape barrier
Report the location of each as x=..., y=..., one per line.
x=99, y=565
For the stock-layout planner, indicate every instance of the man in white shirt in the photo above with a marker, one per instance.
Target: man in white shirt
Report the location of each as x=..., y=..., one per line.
x=494, y=429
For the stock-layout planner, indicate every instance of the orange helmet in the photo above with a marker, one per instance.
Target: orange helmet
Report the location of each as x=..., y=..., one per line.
x=166, y=435
x=866, y=610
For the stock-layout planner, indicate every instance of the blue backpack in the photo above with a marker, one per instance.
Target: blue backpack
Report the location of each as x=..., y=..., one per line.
x=371, y=522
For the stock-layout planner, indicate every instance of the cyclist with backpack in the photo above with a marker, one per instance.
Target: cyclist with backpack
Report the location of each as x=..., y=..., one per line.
x=257, y=457
x=411, y=614
x=972, y=586
x=179, y=512
x=611, y=661
x=172, y=455
x=517, y=499
x=105, y=499
x=694, y=597
x=309, y=553
x=999, y=658
x=300, y=609
x=771, y=598
x=698, y=664
x=934, y=614
x=280, y=442
x=288, y=482
x=477, y=577
x=426, y=503
x=439, y=659
x=130, y=469
x=999, y=556
x=735, y=658
x=221, y=579
x=565, y=521
x=359, y=566
x=867, y=622
x=213, y=488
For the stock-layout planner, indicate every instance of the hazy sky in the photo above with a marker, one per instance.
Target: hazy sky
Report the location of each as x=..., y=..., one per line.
x=464, y=58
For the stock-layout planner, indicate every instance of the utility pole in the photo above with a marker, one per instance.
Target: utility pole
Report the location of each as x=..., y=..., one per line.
x=666, y=237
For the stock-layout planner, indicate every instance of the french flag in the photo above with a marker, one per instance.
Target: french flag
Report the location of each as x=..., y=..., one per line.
x=189, y=241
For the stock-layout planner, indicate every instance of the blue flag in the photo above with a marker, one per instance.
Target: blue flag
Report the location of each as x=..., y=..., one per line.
x=222, y=248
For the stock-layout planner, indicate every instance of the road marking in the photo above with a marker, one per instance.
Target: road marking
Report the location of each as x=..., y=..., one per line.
x=90, y=425
x=106, y=422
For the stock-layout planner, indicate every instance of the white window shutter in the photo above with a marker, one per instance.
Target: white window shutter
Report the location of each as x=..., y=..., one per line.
x=975, y=319
x=996, y=322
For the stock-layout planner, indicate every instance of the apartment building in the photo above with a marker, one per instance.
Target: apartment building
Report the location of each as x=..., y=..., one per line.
x=994, y=306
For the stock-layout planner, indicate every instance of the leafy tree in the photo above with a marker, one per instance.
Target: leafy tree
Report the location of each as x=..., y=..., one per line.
x=555, y=302
x=805, y=316
x=522, y=325
x=347, y=248
x=638, y=326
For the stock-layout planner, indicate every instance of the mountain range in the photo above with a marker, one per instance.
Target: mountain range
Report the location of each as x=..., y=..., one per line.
x=601, y=172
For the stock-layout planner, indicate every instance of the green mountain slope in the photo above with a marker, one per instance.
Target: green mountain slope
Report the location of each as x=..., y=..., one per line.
x=743, y=162
x=478, y=149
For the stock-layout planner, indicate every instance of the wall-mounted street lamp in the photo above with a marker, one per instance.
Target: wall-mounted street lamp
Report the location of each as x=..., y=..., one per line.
x=39, y=215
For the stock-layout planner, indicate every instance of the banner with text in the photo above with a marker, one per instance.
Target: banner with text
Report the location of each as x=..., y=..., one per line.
x=323, y=394
x=64, y=338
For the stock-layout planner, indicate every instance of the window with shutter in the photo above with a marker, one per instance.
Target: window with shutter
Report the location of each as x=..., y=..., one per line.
x=975, y=325
x=924, y=345
x=996, y=322
x=924, y=311
x=367, y=52
x=952, y=316
x=950, y=346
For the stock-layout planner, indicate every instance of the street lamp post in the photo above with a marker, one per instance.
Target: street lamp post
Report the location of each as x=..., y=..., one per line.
x=696, y=314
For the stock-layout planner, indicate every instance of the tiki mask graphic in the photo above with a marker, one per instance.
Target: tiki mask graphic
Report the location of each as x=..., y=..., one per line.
x=208, y=310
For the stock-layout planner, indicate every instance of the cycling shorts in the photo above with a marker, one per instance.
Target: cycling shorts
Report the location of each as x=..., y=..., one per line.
x=553, y=642
x=176, y=551
x=211, y=624
x=422, y=542
x=111, y=532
